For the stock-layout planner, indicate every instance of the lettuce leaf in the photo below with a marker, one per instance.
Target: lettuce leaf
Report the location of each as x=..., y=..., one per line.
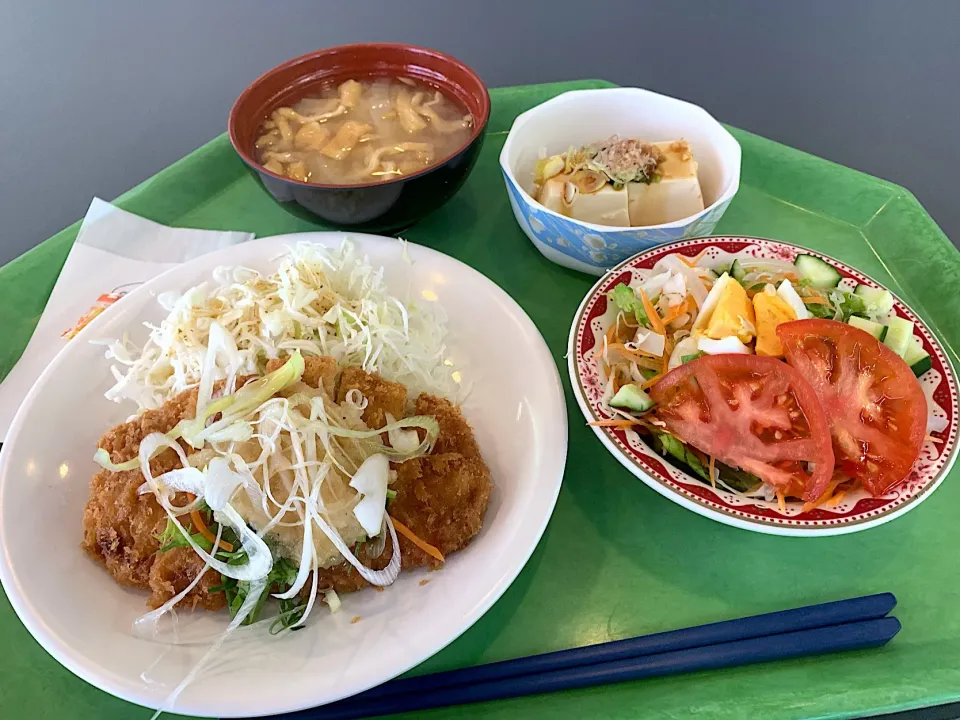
x=627, y=302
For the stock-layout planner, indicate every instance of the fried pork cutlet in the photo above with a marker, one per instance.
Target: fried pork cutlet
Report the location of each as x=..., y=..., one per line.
x=382, y=395
x=316, y=370
x=120, y=525
x=456, y=436
x=441, y=497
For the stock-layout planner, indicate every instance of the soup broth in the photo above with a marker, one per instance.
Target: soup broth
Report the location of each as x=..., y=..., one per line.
x=363, y=131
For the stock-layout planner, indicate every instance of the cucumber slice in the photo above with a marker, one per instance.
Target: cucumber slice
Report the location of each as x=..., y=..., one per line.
x=820, y=273
x=737, y=271
x=921, y=366
x=879, y=302
x=899, y=333
x=876, y=329
x=631, y=397
x=916, y=357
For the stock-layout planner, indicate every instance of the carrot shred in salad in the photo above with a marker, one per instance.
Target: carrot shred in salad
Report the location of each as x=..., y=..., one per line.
x=655, y=321
x=651, y=382
x=618, y=422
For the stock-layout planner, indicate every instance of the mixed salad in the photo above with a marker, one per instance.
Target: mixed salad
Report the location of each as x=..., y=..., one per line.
x=770, y=379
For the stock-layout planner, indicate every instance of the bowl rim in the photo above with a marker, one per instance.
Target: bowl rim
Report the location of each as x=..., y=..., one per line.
x=729, y=191
x=479, y=124
x=656, y=481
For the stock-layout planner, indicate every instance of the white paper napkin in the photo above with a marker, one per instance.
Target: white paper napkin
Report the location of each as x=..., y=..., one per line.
x=115, y=251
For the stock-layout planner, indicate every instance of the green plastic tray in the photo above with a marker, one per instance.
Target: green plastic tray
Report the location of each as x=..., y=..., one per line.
x=617, y=559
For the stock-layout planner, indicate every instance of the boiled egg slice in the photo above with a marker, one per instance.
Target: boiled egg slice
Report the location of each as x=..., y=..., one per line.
x=726, y=311
x=725, y=346
x=786, y=293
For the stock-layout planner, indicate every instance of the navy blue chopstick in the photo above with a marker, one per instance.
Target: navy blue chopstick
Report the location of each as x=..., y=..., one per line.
x=815, y=629
x=867, y=607
x=837, y=638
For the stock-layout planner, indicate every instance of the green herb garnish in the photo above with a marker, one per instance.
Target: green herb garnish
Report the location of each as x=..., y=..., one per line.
x=173, y=537
x=282, y=575
x=852, y=305
x=627, y=301
x=821, y=310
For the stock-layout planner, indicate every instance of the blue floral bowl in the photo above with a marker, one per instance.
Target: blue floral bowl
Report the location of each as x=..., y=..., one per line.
x=583, y=116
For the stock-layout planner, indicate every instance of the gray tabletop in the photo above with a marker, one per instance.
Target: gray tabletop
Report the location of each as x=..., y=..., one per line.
x=97, y=96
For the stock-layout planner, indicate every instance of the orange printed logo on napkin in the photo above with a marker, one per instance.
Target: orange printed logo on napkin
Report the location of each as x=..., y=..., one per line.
x=103, y=302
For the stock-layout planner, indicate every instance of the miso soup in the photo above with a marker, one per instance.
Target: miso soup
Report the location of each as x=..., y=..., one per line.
x=372, y=130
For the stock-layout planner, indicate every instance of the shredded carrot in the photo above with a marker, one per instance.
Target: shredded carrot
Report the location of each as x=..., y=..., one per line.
x=713, y=471
x=651, y=382
x=617, y=422
x=655, y=322
x=836, y=498
x=649, y=363
x=816, y=301
x=781, y=501
x=205, y=531
x=644, y=361
x=422, y=544
x=826, y=495
x=692, y=263
x=611, y=333
x=678, y=310
x=631, y=351
x=933, y=439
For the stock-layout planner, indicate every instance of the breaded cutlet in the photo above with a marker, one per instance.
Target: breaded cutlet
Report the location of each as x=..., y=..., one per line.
x=120, y=525
x=456, y=435
x=316, y=369
x=382, y=395
x=441, y=497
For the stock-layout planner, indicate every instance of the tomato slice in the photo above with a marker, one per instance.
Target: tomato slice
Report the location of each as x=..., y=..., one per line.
x=876, y=409
x=751, y=412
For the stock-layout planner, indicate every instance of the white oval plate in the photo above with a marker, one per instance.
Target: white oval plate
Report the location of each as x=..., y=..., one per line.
x=83, y=618
x=856, y=511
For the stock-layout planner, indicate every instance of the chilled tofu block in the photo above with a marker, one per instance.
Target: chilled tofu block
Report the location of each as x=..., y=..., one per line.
x=606, y=206
x=677, y=195
x=550, y=194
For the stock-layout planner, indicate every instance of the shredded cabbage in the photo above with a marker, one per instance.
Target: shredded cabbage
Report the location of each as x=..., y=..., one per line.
x=320, y=301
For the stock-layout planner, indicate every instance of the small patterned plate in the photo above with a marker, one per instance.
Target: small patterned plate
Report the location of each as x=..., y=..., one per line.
x=856, y=511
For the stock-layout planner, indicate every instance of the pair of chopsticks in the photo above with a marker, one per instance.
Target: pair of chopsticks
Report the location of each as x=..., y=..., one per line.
x=854, y=624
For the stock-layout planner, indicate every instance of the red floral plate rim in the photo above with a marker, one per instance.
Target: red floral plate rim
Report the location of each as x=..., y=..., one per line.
x=854, y=513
